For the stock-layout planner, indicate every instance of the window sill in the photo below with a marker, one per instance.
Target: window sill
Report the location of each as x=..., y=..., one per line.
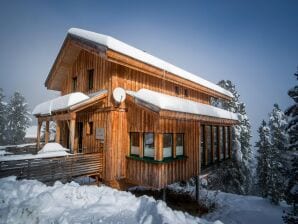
x=151, y=160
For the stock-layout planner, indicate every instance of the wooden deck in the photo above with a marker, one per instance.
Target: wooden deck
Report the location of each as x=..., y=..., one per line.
x=49, y=170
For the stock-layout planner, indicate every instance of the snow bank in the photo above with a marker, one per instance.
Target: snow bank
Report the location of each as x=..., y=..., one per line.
x=52, y=147
x=59, y=103
x=237, y=209
x=140, y=55
x=29, y=201
x=159, y=101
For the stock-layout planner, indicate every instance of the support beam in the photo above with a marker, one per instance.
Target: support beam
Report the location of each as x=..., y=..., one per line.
x=218, y=144
x=58, y=131
x=225, y=141
x=230, y=141
x=164, y=194
x=212, y=144
x=47, y=132
x=72, y=128
x=38, y=135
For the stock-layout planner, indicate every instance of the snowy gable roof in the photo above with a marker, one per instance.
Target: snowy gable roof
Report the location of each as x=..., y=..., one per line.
x=140, y=55
x=159, y=101
x=59, y=103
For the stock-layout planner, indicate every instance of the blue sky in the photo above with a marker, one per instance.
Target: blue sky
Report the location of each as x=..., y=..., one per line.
x=252, y=43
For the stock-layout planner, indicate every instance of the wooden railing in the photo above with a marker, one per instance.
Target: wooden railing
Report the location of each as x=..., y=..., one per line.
x=48, y=170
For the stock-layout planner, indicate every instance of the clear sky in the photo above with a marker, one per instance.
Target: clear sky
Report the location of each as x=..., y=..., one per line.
x=252, y=43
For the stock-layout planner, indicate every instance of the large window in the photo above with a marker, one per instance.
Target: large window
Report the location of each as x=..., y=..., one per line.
x=179, y=144
x=74, y=83
x=215, y=147
x=167, y=145
x=134, y=143
x=208, y=138
x=90, y=78
x=202, y=145
x=149, y=145
x=221, y=143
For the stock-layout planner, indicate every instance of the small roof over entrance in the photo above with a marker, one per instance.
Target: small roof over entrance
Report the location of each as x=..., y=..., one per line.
x=158, y=101
x=66, y=102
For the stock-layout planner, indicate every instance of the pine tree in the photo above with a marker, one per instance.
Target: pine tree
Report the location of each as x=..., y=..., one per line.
x=292, y=130
x=277, y=154
x=17, y=119
x=2, y=118
x=238, y=175
x=263, y=146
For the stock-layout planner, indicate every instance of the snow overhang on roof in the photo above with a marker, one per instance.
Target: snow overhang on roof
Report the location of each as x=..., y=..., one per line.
x=59, y=104
x=158, y=101
x=140, y=55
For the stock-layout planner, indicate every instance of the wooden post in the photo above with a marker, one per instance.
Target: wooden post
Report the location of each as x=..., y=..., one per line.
x=225, y=141
x=212, y=144
x=218, y=143
x=141, y=145
x=47, y=132
x=230, y=142
x=159, y=146
x=58, y=128
x=205, y=145
x=72, y=128
x=38, y=134
x=174, y=145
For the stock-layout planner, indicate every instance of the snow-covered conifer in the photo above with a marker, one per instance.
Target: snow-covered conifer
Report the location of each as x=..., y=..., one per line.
x=263, y=145
x=17, y=119
x=2, y=118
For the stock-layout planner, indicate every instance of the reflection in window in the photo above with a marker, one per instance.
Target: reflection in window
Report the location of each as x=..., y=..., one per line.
x=202, y=146
x=167, y=145
x=179, y=144
x=134, y=143
x=221, y=143
x=215, y=143
x=149, y=145
x=208, y=136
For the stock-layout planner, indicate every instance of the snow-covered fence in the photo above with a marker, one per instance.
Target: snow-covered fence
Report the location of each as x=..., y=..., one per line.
x=48, y=170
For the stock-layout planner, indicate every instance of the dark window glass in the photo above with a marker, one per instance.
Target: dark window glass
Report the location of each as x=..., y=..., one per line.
x=167, y=145
x=186, y=93
x=202, y=146
x=215, y=143
x=179, y=144
x=74, y=83
x=134, y=143
x=90, y=78
x=149, y=145
x=209, y=152
x=177, y=90
x=221, y=143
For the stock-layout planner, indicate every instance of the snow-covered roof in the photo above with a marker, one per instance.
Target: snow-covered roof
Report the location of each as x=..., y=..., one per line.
x=159, y=101
x=59, y=103
x=140, y=55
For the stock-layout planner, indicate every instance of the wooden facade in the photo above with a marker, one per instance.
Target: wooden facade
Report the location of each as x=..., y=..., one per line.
x=77, y=128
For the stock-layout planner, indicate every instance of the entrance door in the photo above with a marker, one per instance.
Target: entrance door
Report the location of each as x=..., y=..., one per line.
x=80, y=137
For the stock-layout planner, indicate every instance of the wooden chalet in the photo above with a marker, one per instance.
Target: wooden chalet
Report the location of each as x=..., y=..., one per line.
x=152, y=121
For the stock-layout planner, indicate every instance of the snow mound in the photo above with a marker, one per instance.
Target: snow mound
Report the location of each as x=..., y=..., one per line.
x=30, y=201
x=52, y=147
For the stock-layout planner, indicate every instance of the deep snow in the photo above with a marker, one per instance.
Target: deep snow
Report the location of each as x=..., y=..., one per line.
x=30, y=201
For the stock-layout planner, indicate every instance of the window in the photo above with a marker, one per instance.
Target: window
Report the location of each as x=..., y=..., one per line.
x=74, y=83
x=209, y=152
x=202, y=145
x=167, y=145
x=221, y=143
x=89, y=128
x=90, y=78
x=186, y=93
x=134, y=144
x=149, y=145
x=177, y=90
x=179, y=144
x=215, y=143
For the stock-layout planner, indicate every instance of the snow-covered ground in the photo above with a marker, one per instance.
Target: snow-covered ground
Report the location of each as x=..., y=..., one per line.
x=232, y=208
x=16, y=146
x=30, y=201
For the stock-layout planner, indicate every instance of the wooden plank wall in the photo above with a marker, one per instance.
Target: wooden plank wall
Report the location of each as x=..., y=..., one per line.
x=160, y=175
